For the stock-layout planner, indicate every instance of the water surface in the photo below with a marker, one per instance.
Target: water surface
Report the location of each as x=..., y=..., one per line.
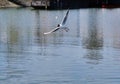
x=88, y=54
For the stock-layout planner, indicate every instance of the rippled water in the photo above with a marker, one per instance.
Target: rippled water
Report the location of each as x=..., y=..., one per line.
x=88, y=54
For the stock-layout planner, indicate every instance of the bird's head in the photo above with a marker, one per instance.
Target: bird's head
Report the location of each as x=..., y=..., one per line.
x=58, y=25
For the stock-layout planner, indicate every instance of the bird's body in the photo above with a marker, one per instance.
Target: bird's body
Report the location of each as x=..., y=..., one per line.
x=61, y=25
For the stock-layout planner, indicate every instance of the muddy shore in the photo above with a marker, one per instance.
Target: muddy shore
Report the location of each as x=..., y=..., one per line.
x=6, y=3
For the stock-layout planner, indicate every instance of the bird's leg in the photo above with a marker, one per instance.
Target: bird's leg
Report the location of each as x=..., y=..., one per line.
x=66, y=29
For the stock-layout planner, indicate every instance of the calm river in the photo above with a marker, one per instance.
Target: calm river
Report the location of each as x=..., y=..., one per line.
x=88, y=54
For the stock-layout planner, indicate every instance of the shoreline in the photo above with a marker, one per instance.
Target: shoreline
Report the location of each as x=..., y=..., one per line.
x=7, y=4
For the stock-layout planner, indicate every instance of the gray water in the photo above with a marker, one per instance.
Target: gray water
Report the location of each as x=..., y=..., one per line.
x=88, y=54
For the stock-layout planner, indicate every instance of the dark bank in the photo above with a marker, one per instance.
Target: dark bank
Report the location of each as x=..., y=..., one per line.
x=62, y=4
x=74, y=4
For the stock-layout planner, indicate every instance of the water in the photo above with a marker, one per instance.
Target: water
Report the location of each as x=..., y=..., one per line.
x=88, y=54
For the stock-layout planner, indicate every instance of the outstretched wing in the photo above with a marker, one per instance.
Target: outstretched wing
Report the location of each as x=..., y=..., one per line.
x=62, y=23
x=53, y=30
x=65, y=18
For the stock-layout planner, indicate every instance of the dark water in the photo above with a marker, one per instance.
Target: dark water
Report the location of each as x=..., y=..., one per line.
x=88, y=54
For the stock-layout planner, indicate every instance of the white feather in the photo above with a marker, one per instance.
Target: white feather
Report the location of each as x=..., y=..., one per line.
x=60, y=26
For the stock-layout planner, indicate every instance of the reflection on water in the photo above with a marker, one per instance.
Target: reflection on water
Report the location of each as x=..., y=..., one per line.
x=93, y=40
x=88, y=53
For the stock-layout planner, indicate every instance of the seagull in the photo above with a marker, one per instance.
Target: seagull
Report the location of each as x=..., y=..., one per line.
x=61, y=25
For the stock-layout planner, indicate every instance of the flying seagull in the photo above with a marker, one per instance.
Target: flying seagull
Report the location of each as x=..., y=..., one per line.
x=61, y=25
